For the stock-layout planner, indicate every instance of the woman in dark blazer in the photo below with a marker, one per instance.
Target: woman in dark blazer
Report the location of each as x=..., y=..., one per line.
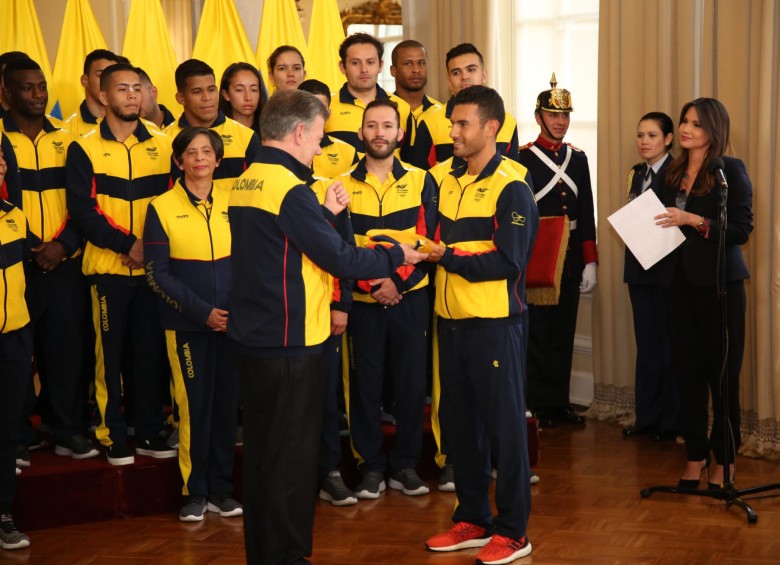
x=655, y=389
x=692, y=194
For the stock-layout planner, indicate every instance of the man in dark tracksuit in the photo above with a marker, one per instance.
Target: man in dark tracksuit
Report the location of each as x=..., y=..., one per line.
x=282, y=251
x=487, y=225
x=561, y=183
x=112, y=174
x=389, y=318
x=16, y=242
x=55, y=287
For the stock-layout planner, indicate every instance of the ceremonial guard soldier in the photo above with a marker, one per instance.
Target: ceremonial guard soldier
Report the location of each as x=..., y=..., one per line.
x=561, y=182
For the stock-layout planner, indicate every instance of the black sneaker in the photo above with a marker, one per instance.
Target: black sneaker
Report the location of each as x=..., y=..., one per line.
x=10, y=537
x=371, y=485
x=119, y=454
x=225, y=504
x=193, y=509
x=156, y=448
x=447, y=479
x=22, y=455
x=77, y=447
x=408, y=482
x=333, y=490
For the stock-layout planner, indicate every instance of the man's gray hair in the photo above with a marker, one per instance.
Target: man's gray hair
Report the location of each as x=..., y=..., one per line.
x=285, y=110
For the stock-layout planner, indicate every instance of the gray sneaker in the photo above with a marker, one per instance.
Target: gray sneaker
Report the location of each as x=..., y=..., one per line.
x=77, y=447
x=408, y=482
x=333, y=490
x=10, y=537
x=193, y=509
x=447, y=479
x=225, y=504
x=371, y=485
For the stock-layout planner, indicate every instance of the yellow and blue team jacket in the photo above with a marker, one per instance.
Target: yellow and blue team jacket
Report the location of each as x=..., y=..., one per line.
x=11, y=187
x=241, y=146
x=428, y=106
x=337, y=157
x=341, y=293
x=433, y=144
x=346, y=117
x=42, y=173
x=406, y=201
x=187, y=254
x=16, y=241
x=81, y=122
x=489, y=226
x=283, y=249
x=109, y=186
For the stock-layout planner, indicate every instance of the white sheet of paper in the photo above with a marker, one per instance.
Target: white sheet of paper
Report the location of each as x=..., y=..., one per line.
x=635, y=225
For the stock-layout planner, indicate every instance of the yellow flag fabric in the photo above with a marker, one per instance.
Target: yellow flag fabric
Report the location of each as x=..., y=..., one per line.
x=325, y=35
x=21, y=31
x=280, y=25
x=148, y=45
x=221, y=38
x=80, y=36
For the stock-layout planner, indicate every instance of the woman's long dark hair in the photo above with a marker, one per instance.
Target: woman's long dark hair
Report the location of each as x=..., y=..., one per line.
x=224, y=84
x=714, y=120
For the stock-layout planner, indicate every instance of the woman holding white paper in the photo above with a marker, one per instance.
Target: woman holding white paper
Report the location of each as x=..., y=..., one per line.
x=692, y=193
x=655, y=402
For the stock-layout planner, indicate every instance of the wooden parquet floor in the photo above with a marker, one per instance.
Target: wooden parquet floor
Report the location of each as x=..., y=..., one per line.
x=586, y=509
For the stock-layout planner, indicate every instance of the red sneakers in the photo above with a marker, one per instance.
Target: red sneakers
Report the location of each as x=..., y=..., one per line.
x=461, y=536
x=503, y=550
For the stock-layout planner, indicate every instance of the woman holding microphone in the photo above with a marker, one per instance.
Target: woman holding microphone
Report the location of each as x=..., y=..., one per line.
x=691, y=192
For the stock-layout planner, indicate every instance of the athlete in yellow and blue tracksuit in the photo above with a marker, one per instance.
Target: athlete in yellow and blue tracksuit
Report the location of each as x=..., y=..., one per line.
x=16, y=242
x=187, y=258
x=110, y=184
x=55, y=296
x=488, y=223
x=389, y=336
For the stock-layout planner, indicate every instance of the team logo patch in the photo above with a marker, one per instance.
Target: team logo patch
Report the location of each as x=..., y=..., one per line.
x=518, y=219
x=480, y=194
x=59, y=147
x=12, y=225
x=225, y=216
x=152, y=153
x=227, y=139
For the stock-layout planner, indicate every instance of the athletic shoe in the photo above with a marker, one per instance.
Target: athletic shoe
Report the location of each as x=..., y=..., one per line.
x=173, y=439
x=226, y=505
x=333, y=490
x=534, y=478
x=502, y=550
x=461, y=536
x=119, y=454
x=371, y=485
x=156, y=448
x=408, y=482
x=193, y=509
x=10, y=537
x=447, y=479
x=22, y=455
x=77, y=447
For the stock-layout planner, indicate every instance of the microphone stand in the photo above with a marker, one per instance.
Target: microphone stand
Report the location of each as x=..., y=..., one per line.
x=727, y=493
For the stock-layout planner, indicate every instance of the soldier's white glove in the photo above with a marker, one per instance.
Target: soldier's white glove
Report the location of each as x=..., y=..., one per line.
x=589, y=281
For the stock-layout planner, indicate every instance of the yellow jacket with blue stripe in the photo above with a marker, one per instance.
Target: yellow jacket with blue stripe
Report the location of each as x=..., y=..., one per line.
x=489, y=226
x=405, y=202
x=241, y=146
x=187, y=254
x=283, y=249
x=81, y=122
x=11, y=187
x=110, y=185
x=16, y=240
x=337, y=157
x=42, y=174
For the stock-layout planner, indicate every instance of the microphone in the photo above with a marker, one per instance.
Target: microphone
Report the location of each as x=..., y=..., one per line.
x=716, y=168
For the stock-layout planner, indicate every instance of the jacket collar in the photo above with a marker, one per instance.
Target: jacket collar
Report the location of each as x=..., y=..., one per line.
x=360, y=171
x=275, y=156
x=141, y=133
x=490, y=168
x=220, y=119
